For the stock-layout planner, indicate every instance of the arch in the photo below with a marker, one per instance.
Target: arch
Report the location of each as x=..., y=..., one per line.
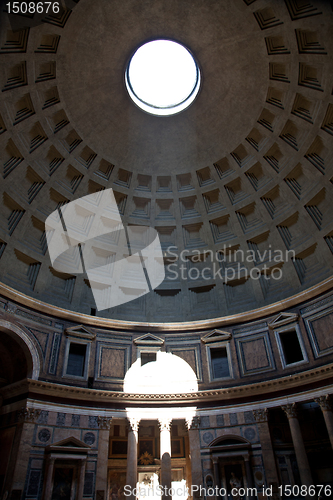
x=29, y=349
x=230, y=440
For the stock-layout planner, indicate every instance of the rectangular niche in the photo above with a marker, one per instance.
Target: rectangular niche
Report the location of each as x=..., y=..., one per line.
x=291, y=231
x=223, y=168
x=34, y=137
x=257, y=176
x=86, y=157
x=71, y=180
x=23, y=273
x=167, y=235
x=167, y=300
x=144, y=183
x=11, y=158
x=317, y=324
x=141, y=207
x=189, y=207
x=45, y=71
x=255, y=353
x=203, y=299
x=213, y=201
x=184, y=182
x=113, y=361
x=104, y=169
x=164, y=184
x=164, y=209
x=205, y=177
x=71, y=141
x=193, y=235
x=190, y=354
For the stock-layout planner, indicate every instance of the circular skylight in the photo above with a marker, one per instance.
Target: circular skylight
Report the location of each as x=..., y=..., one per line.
x=162, y=77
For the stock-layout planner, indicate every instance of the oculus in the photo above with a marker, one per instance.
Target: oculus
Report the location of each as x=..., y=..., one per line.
x=162, y=77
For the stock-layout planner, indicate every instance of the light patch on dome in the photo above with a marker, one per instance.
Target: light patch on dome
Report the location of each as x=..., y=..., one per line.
x=169, y=374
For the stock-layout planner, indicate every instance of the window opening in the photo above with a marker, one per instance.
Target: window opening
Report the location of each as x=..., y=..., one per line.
x=76, y=359
x=147, y=357
x=291, y=347
x=219, y=362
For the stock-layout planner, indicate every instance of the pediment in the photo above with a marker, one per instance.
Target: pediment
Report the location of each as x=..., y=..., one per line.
x=216, y=336
x=81, y=332
x=70, y=444
x=283, y=319
x=149, y=339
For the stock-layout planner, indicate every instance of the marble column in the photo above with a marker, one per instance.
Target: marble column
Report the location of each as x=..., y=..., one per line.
x=132, y=454
x=165, y=454
x=103, y=454
x=326, y=407
x=188, y=466
x=47, y=492
x=217, y=480
x=82, y=473
x=296, y=434
x=194, y=440
x=28, y=418
x=248, y=472
x=261, y=417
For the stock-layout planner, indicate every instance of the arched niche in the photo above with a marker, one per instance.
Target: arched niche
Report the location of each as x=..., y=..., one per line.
x=230, y=455
x=18, y=355
x=229, y=441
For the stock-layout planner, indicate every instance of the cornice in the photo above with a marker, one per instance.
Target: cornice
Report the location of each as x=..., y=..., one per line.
x=259, y=389
x=80, y=318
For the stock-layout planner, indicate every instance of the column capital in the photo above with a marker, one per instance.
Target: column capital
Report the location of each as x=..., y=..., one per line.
x=104, y=422
x=165, y=424
x=324, y=402
x=290, y=410
x=192, y=423
x=260, y=415
x=133, y=424
x=29, y=415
